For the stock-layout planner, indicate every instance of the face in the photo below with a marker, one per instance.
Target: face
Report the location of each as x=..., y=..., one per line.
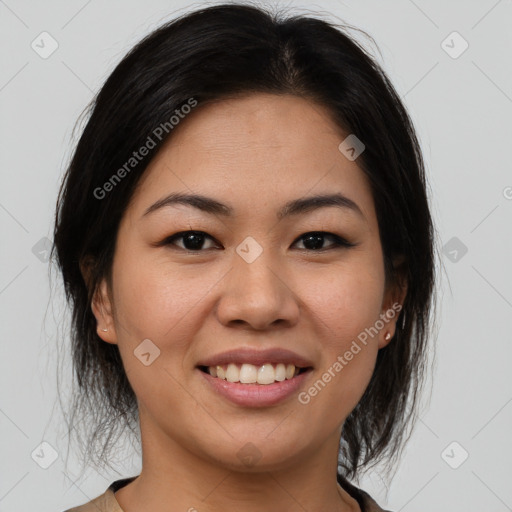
x=258, y=275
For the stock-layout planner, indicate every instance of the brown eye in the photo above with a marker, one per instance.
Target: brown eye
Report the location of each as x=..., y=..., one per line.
x=191, y=240
x=314, y=241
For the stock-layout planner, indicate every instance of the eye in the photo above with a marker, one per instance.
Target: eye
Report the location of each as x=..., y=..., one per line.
x=192, y=240
x=314, y=240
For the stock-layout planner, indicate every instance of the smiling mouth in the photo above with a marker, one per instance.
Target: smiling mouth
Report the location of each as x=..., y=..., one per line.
x=245, y=373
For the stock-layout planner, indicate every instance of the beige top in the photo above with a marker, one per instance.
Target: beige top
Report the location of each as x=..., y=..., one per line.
x=107, y=502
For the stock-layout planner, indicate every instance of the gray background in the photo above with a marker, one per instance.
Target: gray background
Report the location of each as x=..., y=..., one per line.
x=462, y=110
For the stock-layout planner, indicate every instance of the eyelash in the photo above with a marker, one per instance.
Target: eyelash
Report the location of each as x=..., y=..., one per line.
x=339, y=242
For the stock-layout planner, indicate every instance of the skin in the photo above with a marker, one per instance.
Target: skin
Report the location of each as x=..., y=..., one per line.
x=253, y=153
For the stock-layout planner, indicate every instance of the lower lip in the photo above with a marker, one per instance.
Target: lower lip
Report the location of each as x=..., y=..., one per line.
x=256, y=395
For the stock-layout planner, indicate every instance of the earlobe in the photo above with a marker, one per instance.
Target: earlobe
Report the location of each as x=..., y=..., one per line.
x=386, y=339
x=394, y=300
x=102, y=309
x=391, y=314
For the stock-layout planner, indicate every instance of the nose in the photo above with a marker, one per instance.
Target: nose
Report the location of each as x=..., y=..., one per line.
x=257, y=295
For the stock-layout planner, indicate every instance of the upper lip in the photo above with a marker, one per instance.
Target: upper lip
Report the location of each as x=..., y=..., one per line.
x=257, y=357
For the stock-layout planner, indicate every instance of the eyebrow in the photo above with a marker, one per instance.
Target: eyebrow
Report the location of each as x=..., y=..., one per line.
x=295, y=207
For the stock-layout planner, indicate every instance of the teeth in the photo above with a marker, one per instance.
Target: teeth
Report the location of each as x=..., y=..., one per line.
x=281, y=372
x=250, y=374
x=266, y=374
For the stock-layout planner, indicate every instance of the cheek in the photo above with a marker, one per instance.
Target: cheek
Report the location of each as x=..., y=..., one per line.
x=157, y=302
x=347, y=300
x=153, y=297
x=344, y=305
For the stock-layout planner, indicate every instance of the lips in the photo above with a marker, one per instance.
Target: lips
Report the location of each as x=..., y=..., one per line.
x=255, y=378
x=256, y=395
x=258, y=358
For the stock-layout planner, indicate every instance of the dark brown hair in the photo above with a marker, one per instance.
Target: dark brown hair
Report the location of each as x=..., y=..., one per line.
x=210, y=54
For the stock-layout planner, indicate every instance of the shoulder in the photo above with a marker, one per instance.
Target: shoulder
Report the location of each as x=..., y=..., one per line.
x=96, y=505
x=106, y=502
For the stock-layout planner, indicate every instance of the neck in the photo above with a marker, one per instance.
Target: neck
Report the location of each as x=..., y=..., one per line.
x=174, y=478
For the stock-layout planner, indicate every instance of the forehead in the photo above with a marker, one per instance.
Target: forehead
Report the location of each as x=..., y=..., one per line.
x=255, y=150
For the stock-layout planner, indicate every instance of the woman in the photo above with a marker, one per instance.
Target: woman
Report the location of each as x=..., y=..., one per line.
x=246, y=244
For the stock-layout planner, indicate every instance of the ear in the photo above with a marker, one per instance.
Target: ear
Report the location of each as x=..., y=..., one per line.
x=102, y=309
x=101, y=305
x=392, y=304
